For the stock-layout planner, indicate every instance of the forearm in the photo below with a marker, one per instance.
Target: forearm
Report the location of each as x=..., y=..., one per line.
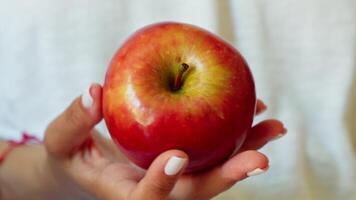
x=25, y=174
x=22, y=175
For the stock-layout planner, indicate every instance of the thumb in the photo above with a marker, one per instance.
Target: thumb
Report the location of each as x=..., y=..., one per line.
x=72, y=128
x=161, y=176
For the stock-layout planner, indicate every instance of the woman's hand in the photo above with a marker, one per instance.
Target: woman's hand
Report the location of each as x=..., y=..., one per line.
x=77, y=163
x=94, y=163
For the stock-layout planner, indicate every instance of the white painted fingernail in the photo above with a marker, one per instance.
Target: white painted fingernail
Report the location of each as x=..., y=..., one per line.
x=174, y=165
x=257, y=171
x=277, y=137
x=87, y=100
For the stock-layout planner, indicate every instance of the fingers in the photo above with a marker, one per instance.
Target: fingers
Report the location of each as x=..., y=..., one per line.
x=260, y=107
x=221, y=178
x=161, y=176
x=262, y=133
x=72, y=128
x=108, y=147
x=244, y=164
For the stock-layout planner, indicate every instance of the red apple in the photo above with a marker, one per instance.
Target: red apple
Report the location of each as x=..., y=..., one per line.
x=177, y=86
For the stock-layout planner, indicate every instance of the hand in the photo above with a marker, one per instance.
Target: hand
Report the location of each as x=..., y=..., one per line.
x=83, y=159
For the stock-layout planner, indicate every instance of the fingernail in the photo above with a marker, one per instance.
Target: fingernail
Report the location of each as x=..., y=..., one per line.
x=257, y=171
x=87, y=99
x=277, y=137
x=284, y=131
x=174, y=165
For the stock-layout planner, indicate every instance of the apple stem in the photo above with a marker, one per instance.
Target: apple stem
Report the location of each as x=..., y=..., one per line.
x=179, y=77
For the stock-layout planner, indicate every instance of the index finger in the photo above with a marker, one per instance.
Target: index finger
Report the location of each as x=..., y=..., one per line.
x=72, y=128
x=210, y=183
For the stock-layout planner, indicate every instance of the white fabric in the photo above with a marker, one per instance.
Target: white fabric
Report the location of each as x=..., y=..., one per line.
x=302, y=54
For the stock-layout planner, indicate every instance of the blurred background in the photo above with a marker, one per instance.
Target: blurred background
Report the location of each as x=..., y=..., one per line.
x=302, y=54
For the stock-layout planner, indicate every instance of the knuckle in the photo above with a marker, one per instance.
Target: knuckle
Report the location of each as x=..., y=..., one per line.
x=75, y=116
x=49, y=140
x=162, y=186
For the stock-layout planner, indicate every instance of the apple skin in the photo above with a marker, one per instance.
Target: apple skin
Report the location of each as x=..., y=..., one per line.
x=208, y=117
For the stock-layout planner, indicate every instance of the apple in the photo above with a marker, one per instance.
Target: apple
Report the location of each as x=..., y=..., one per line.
x=177, y=86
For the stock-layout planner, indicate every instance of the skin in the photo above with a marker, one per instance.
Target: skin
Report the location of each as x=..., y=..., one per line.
x=76, y=163
x=207, y=116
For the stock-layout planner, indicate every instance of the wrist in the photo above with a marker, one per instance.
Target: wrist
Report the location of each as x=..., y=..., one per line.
x=63, y=185
x=20, y=173
x=29, y=173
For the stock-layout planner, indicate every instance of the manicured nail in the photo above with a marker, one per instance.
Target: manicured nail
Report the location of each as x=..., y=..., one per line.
x=284, y=131
x=277, y=136
x=174, y=165
x=257, y=171
x=87, y=100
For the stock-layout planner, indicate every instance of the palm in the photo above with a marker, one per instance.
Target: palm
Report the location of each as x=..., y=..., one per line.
x=105, y=168
x=100, y=169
